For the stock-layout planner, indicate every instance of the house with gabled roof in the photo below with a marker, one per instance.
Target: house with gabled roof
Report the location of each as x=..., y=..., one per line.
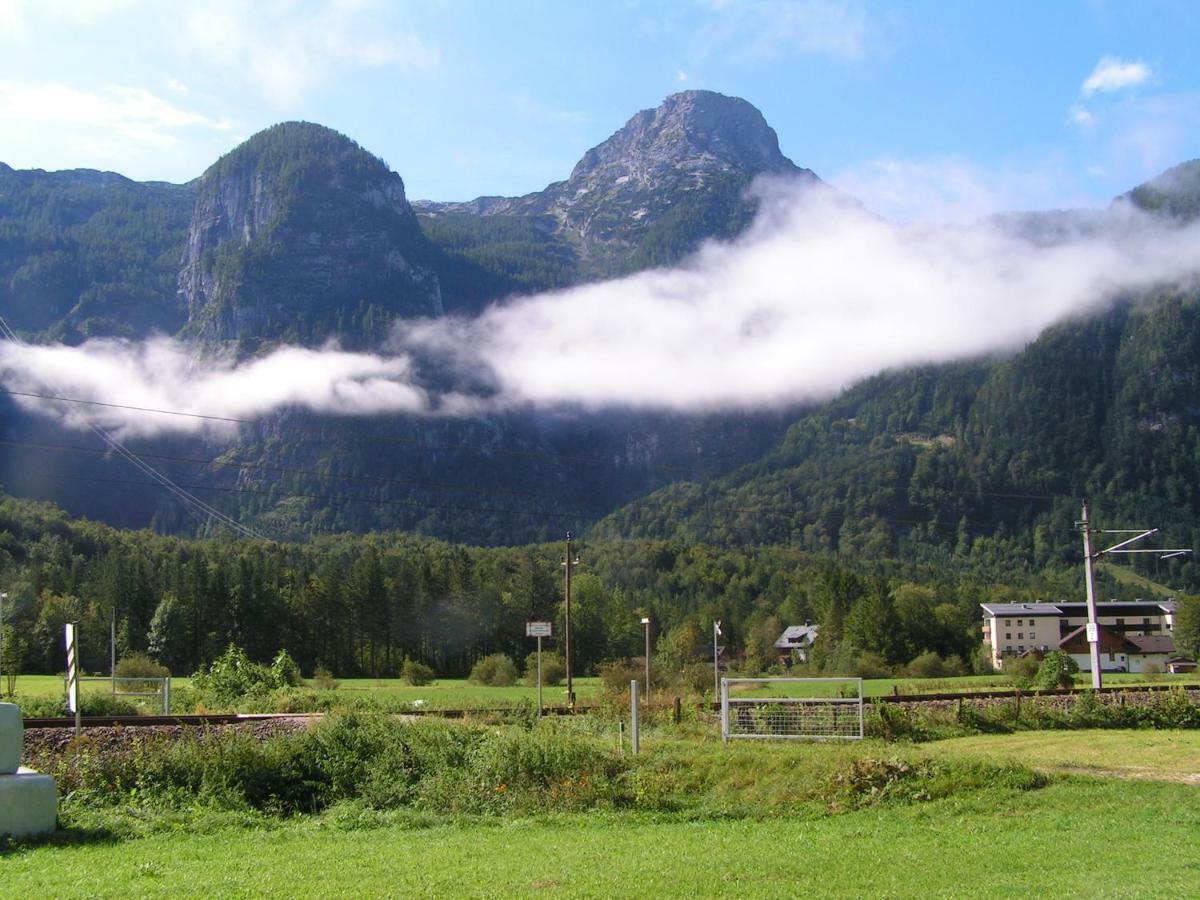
x=1013, y=629
x=1119, y=652
x=795, y=642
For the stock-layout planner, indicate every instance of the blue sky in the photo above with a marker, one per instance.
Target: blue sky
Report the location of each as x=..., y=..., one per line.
x=922, y=109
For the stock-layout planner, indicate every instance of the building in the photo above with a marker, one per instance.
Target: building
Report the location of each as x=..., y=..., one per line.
x=1120, y=652
x=795, y=642
x=1011, y=629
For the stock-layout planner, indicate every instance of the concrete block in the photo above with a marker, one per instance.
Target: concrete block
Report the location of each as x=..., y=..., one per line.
x=12, y=733
x=28, y=804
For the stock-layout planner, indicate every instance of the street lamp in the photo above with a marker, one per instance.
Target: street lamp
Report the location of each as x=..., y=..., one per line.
x=646, y=622
x=3, y=597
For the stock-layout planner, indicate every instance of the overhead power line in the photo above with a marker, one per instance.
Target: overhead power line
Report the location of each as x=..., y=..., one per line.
x=191, y=502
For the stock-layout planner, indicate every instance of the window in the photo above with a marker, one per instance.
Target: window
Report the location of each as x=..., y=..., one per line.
x=1008, y=637
x=1021, y=649
x=1020, y=636
x=1120, y=622
x=1008, y=623
x=1018, y=623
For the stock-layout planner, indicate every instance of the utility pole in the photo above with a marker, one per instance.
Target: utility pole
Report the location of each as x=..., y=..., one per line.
x=1093, y=623
x=3, y=597
x=569, y=562
x=646, y=623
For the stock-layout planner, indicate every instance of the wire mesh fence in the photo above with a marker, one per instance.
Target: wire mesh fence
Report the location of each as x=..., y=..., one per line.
x=792, y=708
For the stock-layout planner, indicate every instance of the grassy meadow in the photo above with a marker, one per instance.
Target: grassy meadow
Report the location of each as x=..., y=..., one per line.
x=963, y=817
x=394, y=694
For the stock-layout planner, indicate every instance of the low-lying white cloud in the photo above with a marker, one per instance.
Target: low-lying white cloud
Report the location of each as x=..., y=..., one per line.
x=817, y=295
x=139, y=379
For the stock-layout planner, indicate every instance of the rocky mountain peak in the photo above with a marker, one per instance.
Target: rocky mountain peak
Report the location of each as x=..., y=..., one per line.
x=285, y=223
x=692, y=130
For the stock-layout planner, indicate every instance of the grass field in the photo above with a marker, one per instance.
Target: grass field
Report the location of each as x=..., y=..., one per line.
x=450, y=693
x=1139, y=839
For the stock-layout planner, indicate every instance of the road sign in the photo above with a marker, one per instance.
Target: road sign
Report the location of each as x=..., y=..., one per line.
x=537, y=629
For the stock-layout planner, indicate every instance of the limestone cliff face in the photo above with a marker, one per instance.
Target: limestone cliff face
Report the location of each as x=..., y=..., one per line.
x=669, y=178
x=299, y=234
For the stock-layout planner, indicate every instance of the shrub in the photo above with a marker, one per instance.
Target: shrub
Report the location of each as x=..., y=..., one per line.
x=323, y=679
x=1056, y=671
x=1022, y=671
x=284, y=671
x=140, y=665
x=496, y=670
x=930, y=665
x=554, y=670
x=416, y=673
x=233, y=675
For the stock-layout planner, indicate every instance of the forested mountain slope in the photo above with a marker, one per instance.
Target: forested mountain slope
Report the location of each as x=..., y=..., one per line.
x=985, y=462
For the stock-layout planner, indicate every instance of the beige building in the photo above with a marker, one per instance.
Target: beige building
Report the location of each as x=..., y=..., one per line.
x=1012, y=629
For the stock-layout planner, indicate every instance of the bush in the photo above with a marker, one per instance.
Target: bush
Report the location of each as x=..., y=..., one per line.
x=416, y=673
x=496, y=670
x=140, y=665
x=1056, y=671
x=1022, y=671
x=233, y=675
x=930, y=665
x=323, y=679
x=554, y=670
x=284, y=671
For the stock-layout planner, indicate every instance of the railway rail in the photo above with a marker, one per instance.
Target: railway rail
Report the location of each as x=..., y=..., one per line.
x=206, y=720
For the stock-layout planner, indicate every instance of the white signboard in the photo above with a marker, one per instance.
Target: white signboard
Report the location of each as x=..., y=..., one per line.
x=537, y=629
x=1093, y=633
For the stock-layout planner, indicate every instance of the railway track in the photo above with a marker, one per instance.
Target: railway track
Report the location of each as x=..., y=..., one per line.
x=200, y=721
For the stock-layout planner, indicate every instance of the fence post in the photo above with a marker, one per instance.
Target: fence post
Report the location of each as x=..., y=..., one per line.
x=633, y=717
x=724, y=710
x=678, y=711
x=166, y=696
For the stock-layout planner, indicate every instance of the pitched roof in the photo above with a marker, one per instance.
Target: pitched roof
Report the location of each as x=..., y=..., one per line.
x=796, y=637
x=1137, y=644
x=1153, y=643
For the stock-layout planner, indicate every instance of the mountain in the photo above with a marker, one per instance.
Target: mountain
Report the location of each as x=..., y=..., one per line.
x=301, y=235
x=86, y=253
x=298, y=234
x=980, y=464
x=672, y=177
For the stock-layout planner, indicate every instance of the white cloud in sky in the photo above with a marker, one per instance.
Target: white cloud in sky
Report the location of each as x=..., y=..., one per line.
x=18, y=18
x=819, y=294
x=117, y=111
x=1081, y=115
x=285, y=51
x=763, y=30
x=951, y=189
x=1113, y=74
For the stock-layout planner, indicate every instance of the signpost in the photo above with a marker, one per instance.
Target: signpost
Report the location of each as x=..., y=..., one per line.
x=72, y=671
x=538, y=630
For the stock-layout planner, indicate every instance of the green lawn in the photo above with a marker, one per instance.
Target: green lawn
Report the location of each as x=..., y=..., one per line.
x=458, y=693
x=1162, y=755
x=444, y=693
x=992, y=843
